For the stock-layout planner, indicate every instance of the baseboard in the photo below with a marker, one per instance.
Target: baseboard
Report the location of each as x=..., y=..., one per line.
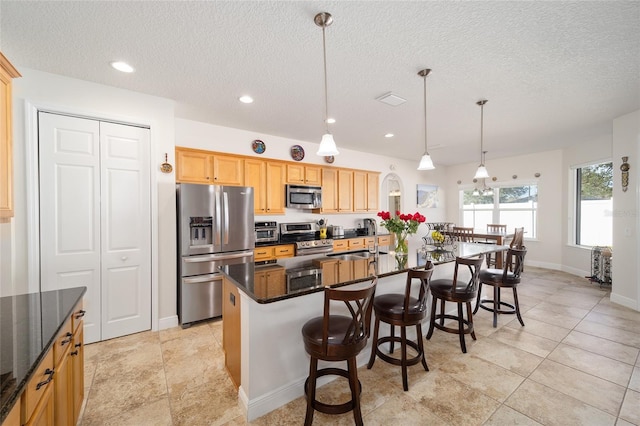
x=575, y=271
x=545, y=265
x=625, y=301
x=168, y=322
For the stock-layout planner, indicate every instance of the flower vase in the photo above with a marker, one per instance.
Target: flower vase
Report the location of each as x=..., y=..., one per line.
x=402, y=248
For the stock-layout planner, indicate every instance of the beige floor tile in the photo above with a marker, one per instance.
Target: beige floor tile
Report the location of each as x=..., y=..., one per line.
x=542, y=329
x=442, y=395
x=208, y=404
x=402, y=410
x=571, y=311
x=550, y=407
x=527, y=342
x=484, y=376
x=622, y=422
x=153, y=413
x=553, y=318
x=634, y=383
x=589, y=389
x=618, y=351
x=618, y=311
x=630, y=410
x=610, y=333
x=613, y=321
x=508, y=416
x=591, y=363
x=506, y=356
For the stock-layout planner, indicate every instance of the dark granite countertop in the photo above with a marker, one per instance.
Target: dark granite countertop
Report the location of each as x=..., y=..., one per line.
x=29, y=324
x=381, y=264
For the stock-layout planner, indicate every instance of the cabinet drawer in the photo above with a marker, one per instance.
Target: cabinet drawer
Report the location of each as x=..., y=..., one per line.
x=284, y=251
x=263, y=253
x=37, y=385
x=63, y=342
x=356, y=243
x=77, y=317
x=384, y=240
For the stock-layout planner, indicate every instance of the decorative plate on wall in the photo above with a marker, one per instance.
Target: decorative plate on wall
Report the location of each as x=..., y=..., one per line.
x=329, y=159
x=297, y=152
x=258, y=146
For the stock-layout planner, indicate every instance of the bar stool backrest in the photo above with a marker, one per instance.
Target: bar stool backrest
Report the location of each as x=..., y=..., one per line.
x=514, y=264
x=474, y=265
x=424, y=275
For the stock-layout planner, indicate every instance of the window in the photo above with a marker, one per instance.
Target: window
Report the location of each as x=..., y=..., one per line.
x=594, y=204
x=514, y=206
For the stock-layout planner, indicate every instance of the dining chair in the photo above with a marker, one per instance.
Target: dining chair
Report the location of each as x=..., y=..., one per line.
x=463, y=234
x=507, y=277
x=459, y=291
x=497, y=228
x=403, y=310
x=338, y=337
x=516, y=242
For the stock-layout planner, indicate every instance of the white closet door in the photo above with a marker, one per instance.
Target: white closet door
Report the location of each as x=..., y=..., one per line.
x=126, y=233
x=69, y=164
x=95, y=220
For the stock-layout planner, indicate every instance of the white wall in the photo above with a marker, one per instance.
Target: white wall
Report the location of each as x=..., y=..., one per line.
x=546, y=249
x=626, y=205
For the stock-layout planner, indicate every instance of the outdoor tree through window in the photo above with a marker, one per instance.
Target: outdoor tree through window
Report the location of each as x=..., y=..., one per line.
x=594, y=204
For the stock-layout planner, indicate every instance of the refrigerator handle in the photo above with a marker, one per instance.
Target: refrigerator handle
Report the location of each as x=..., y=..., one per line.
x=225, y=197
x=217, y=256
x=205, y=279
x=217, y=231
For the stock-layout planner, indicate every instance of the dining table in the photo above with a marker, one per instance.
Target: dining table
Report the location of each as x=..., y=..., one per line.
x=498, y=238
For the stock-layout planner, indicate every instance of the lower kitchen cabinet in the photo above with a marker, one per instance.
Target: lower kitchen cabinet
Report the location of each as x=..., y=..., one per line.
x=270, y=281
x=231, y=330
x=273, y=252
x=336, y=271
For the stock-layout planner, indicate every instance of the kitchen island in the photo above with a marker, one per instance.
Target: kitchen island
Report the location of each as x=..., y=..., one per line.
x=263, y=329
x=30, y=325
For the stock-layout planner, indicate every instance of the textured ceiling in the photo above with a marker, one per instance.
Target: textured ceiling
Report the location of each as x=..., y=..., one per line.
x=555, y=73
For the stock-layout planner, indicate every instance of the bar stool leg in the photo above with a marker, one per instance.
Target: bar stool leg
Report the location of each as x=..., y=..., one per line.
x=461, y=328
x=496, y=305
x=355, y=390
x=392, y=329
x=310, y=390
x=403, y=345
x=470, y=318
x=517, y=305
x=475, y=310
x=374, y=344
x=433, y=318
x=421, y=346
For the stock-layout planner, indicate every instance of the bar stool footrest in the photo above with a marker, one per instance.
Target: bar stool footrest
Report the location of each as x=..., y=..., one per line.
x=397, y=361
x=332, y=408
x=466, y=330
x=511, y=311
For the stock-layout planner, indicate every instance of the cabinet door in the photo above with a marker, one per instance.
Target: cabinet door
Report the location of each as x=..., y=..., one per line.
x=360, y=191
x=372, y=191
x=275, y=187
x=345, y=270
x=295, y=174
x=259, y=284
x=254, y=173
x=43, y=415
x=231, y=330
x=313, y=175
x=7, y=72
x=329, y=272
x=63, y=391
x=77, y=367
x=193, y=167
x=227, y=170
x=360, y=268
x=329, y=190
x=345, y=191
x=276, y=282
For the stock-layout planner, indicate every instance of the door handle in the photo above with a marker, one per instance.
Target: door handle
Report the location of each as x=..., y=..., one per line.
x=205, y=279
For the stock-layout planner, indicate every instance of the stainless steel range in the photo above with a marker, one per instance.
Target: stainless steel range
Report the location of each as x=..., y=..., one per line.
x=305, y=237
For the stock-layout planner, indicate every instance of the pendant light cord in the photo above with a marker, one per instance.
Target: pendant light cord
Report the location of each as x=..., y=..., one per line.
x=326, y=96
x=425, y=114
x=481, y=133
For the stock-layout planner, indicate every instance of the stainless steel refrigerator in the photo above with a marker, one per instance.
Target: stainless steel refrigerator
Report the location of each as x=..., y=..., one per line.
x=215, y=229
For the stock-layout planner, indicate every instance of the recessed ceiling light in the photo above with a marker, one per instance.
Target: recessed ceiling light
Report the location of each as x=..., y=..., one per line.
x=389, y=135
x=246, y=99
x=391, y=99
x=122, y=66
x=331, y=120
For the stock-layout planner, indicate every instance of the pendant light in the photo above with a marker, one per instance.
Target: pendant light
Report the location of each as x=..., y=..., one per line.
x=327, y=144
x=482, y=172
x=425, y=161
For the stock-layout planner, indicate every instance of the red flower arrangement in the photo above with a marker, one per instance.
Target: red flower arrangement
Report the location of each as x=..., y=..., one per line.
x=401, y=223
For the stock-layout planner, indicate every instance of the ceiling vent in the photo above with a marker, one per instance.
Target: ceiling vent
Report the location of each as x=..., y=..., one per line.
x=391, y=99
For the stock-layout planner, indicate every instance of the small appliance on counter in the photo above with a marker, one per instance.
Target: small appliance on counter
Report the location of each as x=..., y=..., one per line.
x=336, y=231
x=266, y=233
x=370, y=226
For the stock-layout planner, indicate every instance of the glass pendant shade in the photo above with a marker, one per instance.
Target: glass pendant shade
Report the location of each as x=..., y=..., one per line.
x=481, y=173
x=327, y=146
x=426, y=163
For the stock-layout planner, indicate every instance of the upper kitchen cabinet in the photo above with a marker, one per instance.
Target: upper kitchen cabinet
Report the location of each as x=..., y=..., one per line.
x=195, y=166
x=267, y=180
x=365, y=191
x=345, y=191
x=329, y=191
x=299, y=174
x=7, y=73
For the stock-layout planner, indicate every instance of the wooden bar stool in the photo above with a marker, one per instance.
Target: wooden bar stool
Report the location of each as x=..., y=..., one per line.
x=403, y=310
x=508, y=277
x=458, y=291
x=338, y=337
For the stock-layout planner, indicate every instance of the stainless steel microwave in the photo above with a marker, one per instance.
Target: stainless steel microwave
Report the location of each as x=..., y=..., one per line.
x=304, y=197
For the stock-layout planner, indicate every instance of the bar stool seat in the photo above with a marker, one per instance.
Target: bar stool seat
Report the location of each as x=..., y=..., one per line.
x=402, y=310
x=338, y=337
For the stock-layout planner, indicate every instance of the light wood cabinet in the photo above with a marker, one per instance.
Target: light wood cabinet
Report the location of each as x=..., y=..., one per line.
x=349, y=244
x=270, y=281
x=76, y=356
x=304, y=175
x=37, y=402
x=231, y=329
x=329, y=191
x=13, y=418
x=7, y=73
x=345, y=191
x=338, y=271
x=365, y=191
x=196, y=166
x=384, y=240
x=273, y=252
x=266, y=178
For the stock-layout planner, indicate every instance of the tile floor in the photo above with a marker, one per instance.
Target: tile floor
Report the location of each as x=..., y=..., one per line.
x=574, y=363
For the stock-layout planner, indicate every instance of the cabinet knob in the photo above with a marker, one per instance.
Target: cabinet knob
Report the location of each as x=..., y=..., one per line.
x=207, y=177
x=123, y=258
